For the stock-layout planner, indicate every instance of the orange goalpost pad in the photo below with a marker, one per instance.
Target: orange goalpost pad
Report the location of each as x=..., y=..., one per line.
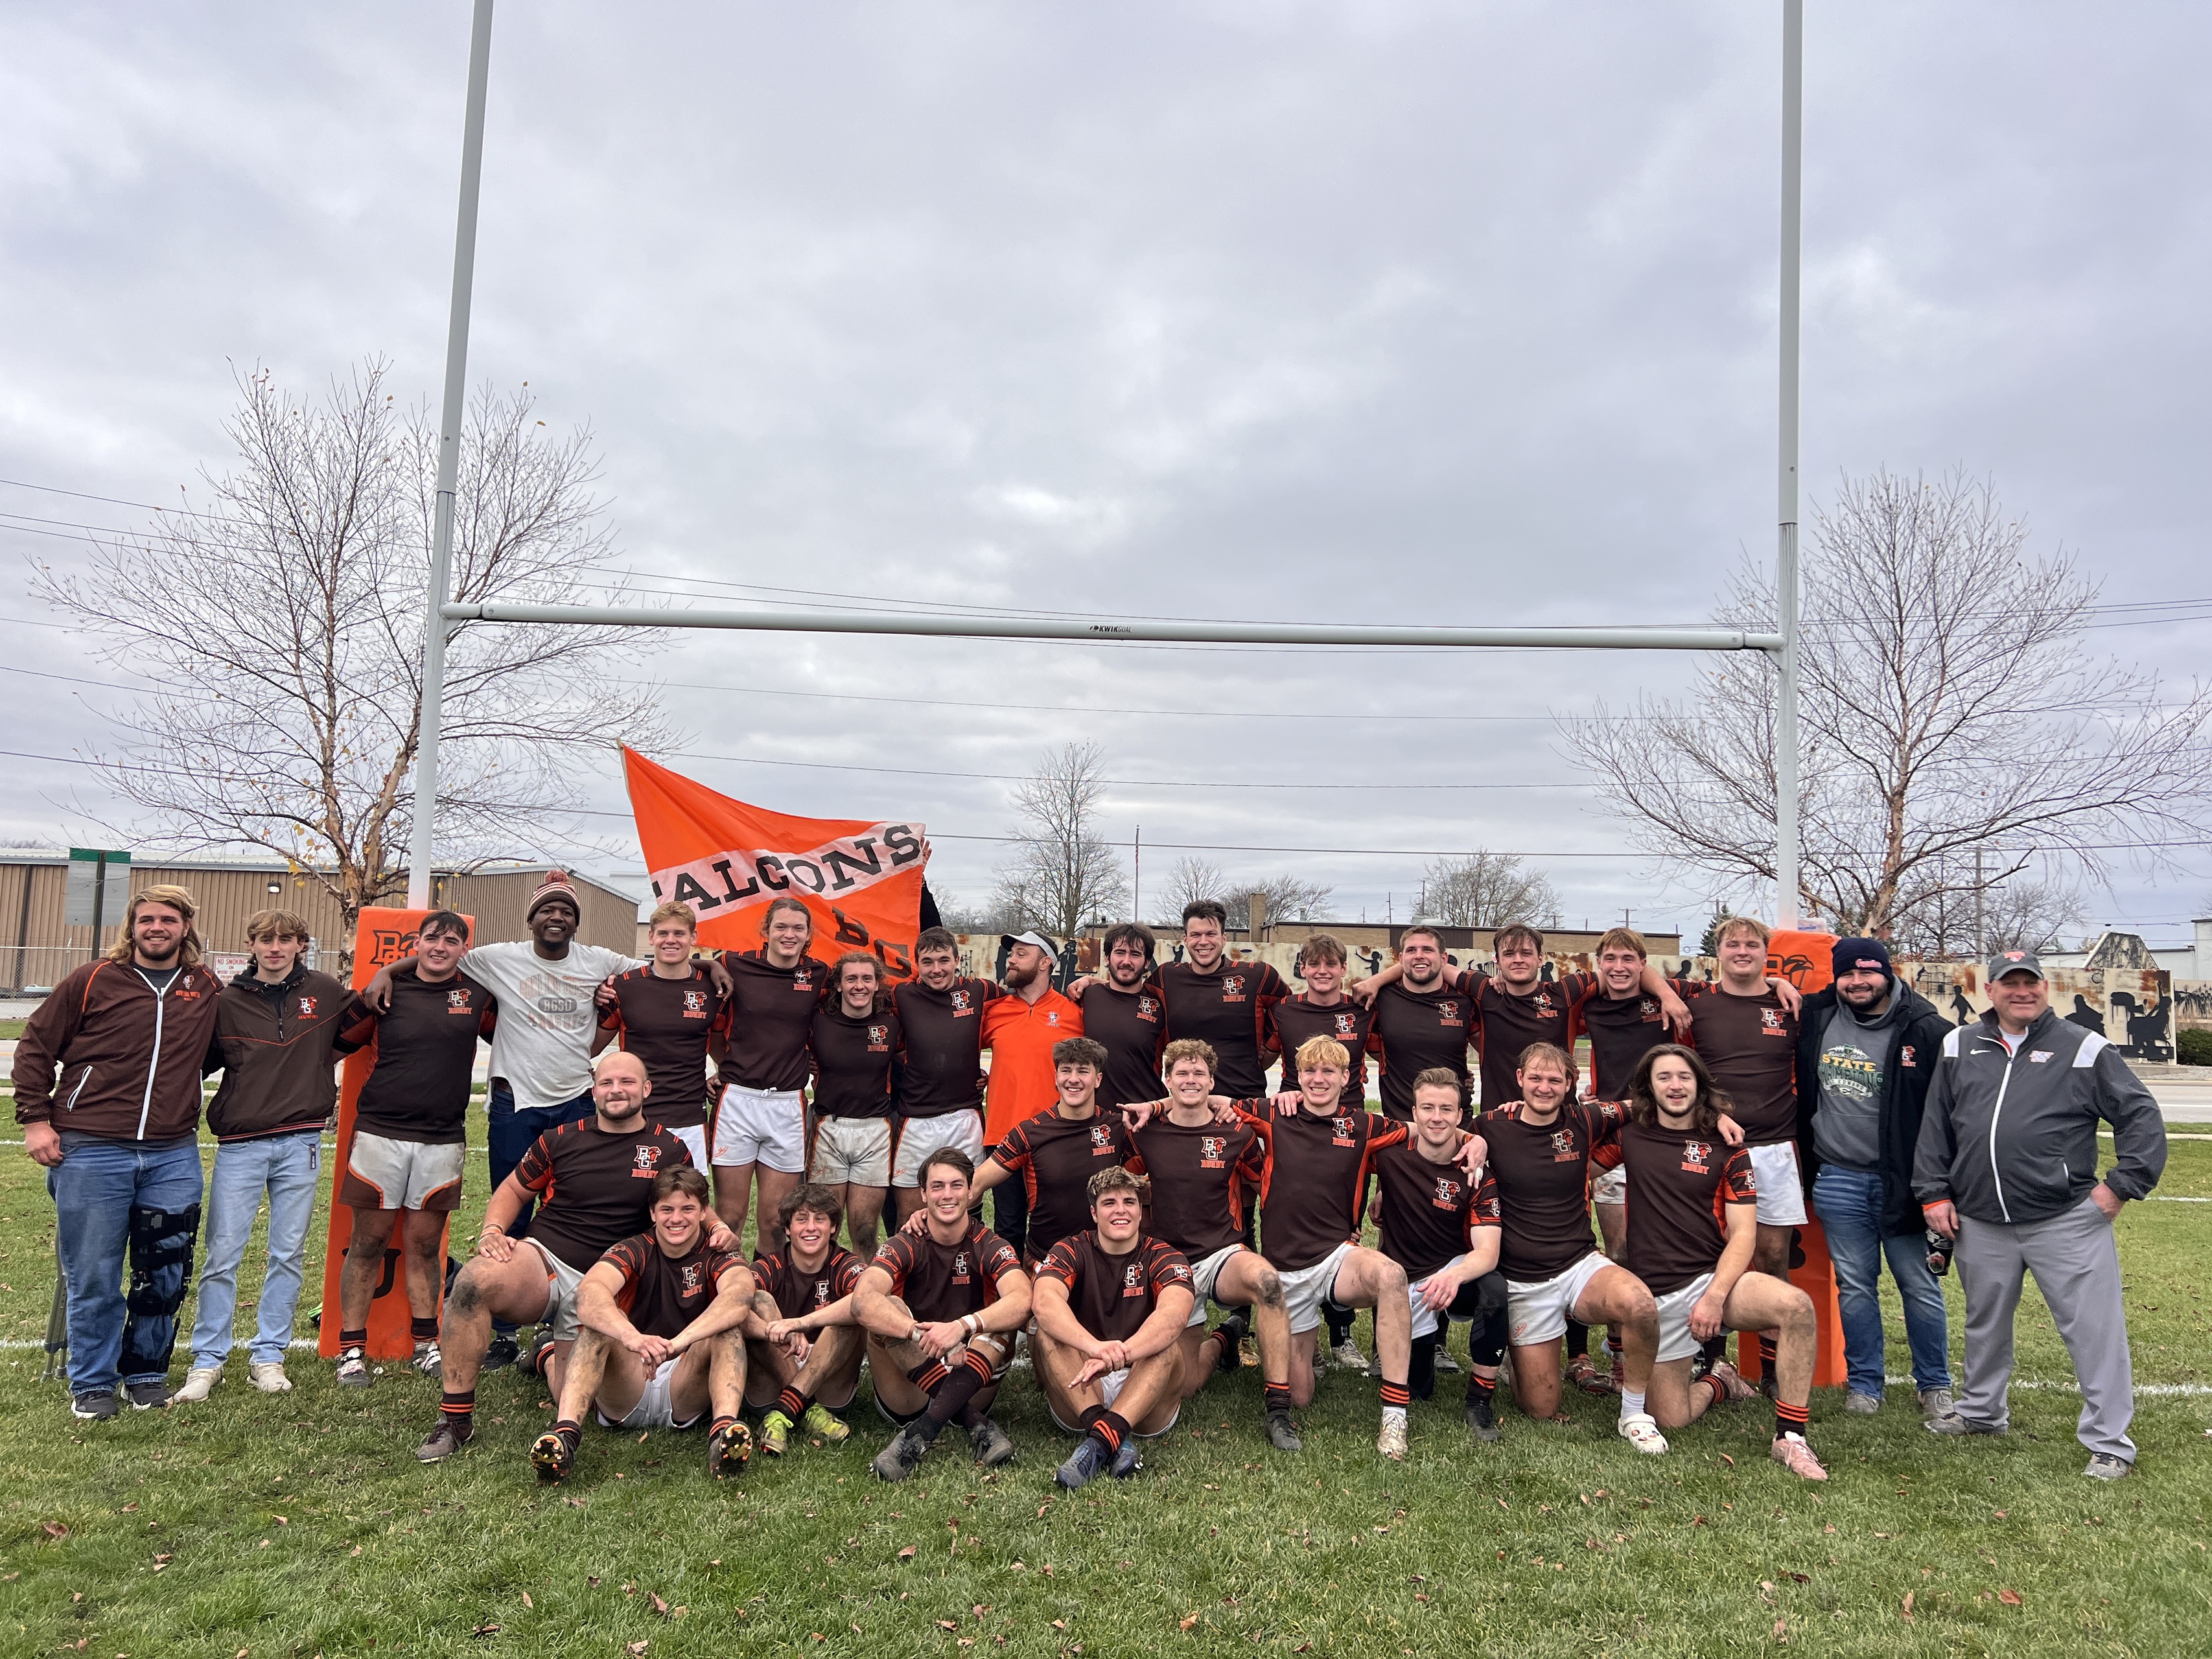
x=381, y=936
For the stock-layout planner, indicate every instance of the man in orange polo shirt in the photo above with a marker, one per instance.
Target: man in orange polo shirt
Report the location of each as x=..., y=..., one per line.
x=1019, y=1030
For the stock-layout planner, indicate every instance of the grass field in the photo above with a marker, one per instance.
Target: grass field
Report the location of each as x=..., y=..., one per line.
x=301, y=1524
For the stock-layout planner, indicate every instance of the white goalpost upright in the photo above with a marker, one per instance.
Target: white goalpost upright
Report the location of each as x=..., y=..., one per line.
x=1781, y=645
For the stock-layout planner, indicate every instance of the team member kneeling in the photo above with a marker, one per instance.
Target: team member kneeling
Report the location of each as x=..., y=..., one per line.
x=660, y=1342
x=1202, y=1172
x=1111, y=1304
x=802, y=1340
x=940, y=1307
x=1682, y=1179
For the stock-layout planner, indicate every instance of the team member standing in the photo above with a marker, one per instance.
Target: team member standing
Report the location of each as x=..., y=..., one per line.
x=594, y=1182
x=403, y=1165
x=1024, y=1030
x=802, y=1341
x=1056, y=1151
x=1124, y=1011
x=1421, y=1023
x=669, y=1014
x=940, y=1306
x=1694, y=1202
x=118, y=1144
x=657, y=1344
x=2007, y=1165
x=1442, y=1226
x=1111, y=1304
x=760, y=1122
x=1867, y=1048
x=1221, y=1003
x=855, y=1040
x=277, y=1032
x=1544, y=1146
x=940, y=1088
x=1202, y=1172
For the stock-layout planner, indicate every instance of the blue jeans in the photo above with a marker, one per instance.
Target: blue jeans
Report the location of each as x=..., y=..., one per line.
x=511, y=1133
x=287, y=1168
x=109, y=1195
x=1849, y=1203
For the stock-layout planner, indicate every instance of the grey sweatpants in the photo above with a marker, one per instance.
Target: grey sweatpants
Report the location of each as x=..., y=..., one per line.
x=2077, y=1267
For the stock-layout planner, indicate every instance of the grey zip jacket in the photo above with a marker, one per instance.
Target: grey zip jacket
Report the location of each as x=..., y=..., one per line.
x=2011, y=1139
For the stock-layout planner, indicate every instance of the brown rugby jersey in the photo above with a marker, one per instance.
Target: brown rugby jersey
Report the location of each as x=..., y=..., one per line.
x=1315, y=1183
x=771, y=1014
x=426, y=1047
x=1679, y=1186
x=1750, y=1046
x=852, y=1059
x=1413, y=1030
x=1430, y=1211
x=942, y=1282
x=666, y=1024
x=798, y=1292
x=662, y=1293
x=1203, y=1179
x=1054, y=1158
x=1510, y=1024
x=1112, y=1296
x=944, y=1033
x=1543, y=1176
x=1621, y=1031
x=1132, y=1024
x=1227, y=1008
x=1295, y=1020
x=594, y=1189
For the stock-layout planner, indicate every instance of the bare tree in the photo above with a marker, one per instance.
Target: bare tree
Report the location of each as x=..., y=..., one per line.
x=1063, y=872
x=1191, y=879
x=1488, y=889
x=1289, y=898
x=1972, y=917
x=285, y=625
x=1949, y=701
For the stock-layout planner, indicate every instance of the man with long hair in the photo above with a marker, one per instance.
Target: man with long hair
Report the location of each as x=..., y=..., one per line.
x=1693, y=1209
x=118, y=1141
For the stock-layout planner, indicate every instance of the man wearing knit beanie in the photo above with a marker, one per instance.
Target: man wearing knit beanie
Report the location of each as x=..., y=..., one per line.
x=1866, y=1051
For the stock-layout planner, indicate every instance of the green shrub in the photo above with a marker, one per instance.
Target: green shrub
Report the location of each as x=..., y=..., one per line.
x=2194, y=1048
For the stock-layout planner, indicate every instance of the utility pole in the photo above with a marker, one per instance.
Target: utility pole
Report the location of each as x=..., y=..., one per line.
x=1137, y=887
x=449, y=462
x=1785, y=559
x=1981, y=926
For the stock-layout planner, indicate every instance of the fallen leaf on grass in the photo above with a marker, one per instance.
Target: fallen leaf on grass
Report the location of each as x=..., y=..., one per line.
x=1187, y=1623
x=1781, y=1630
x=1907, y=1608
x=54, y=1528
x=1802, y=1578
x=639, y=1647
x=591, y=1579
x=947, y=1623
x=485, y=1629
x=2001, y=1514
x=280, y=1520
x=2009, y=1598
x=1059, y=1624
x=1726, y=1459
x=660, y=1606
x=906, y=1554
x=526, y=1602
x=128, y=1507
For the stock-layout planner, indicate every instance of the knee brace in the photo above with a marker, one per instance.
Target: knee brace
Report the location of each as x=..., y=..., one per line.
x=161, y=1245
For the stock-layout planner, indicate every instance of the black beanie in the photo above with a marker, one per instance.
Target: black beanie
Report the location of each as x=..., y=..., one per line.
x=1851, y=953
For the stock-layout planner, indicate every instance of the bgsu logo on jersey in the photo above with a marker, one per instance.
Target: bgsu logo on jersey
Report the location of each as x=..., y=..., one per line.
x=962, y=1004
x=1563, y=1150
x=1697, y=1157
x=879, y=1038
x=960, y=1276
x=1769, y=1023
x=802, y=979
x=1102, y=1138
x=456, y=1002
x=1132, y=1281
x=1542, y=1002
x=821, y=1292
x=306, y=1007
x=1905, y=1057
x=1341, y=1131
x=647, y=1164
x=1209, y=1150
x=1148, y=1010
x=690, y=1287
x=1346, y=1026
x=1232, y=988
x=1649, y=1008
x=695, y=1004
x=1448, y=1191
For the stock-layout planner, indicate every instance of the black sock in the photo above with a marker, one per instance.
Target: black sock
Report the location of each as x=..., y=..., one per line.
x=792, y=1404
x=1577, y=1340
x=1791, y=1419
x=1108, y=1428
x=423, y=1330
x=950, y=1398
x=1717, y=1350
x=354, y=1339
x=459, y=1411
x=1340, y=1326
x=1765, y=1354
x=1421, y=1376
x=571, y=1432
x=1480, y=1388
x=719, y=1424
x=1275, y=1396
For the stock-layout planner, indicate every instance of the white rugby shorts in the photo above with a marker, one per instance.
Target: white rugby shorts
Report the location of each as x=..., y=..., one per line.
x=1538, y=1310
x=1781, y=1186
x=1675, y=1341
x=918, y=1137
x=655, y=1407
x=856, y=1151
x=761, y=1125
x=1305, y=1290
x=561, y=1283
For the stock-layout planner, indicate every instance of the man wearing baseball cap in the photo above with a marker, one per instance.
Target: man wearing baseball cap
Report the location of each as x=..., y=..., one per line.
x=2007, y=1165
x=1866, y=1050
x=1020, y=1029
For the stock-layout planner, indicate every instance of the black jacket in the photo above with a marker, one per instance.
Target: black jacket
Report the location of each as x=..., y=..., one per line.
x=1921, y=1030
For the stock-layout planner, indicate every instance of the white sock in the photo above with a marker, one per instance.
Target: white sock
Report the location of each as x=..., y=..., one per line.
x=1394, y=1414
x=1632, y=1405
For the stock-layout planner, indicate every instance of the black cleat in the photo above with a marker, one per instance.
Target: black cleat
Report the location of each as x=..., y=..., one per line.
x=552, y=1455
x=501, y=1354
x=1282, y=1433
x=991, y=1445
x=1232, y=1331
x=1482, y=1421
x=728, y=1450
x=903, y=1456
x=96, y=1406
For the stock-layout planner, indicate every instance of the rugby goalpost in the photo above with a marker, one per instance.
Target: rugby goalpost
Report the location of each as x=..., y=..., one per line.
x=1781, y=645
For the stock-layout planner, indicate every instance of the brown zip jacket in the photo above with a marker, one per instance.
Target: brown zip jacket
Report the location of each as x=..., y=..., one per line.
x=129, y=1058
x=276, y=1045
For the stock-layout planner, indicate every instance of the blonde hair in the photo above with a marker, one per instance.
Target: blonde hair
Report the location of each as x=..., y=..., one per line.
x=178, y=899
x=1184, y=1049
x=276, y=924
x=1623, y=938
x=1322, y=1051
x=1751, y=925
x=672, y=910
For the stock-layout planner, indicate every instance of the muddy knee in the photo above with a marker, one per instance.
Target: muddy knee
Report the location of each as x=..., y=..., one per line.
x=1269, y=1288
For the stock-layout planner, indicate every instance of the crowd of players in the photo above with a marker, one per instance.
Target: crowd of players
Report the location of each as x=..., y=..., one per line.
x=1139, y=1165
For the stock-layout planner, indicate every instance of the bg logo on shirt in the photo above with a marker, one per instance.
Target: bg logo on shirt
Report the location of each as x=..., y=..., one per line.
x=1341, y=1128
x=306, y=1007
x=1232, y=988
x=647, y=1164
x=1211, y=1148
x=456, y=1002
x=960, y=1276
x=1563, y=1150
x=695, y=1004
x=1697, y=1157
x=1148, y=1010
x=1446, y=1196
x=962, y=1004
x=1346, y=1026
x=1905, y=1057
x=1132, y=1281
x=879, y=1038
x=690, y=1287
x=821, y=1292
x=1102, y=1138
x=1769, y=1023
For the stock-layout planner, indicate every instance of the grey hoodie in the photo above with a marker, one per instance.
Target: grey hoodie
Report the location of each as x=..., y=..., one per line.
x=2012, y=1138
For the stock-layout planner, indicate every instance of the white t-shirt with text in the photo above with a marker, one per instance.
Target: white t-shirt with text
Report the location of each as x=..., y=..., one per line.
x=542, y=1045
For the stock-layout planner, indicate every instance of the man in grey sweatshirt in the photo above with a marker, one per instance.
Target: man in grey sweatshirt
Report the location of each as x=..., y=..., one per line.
x=2007, y=1165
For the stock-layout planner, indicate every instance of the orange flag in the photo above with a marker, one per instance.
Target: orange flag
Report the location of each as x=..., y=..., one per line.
x=727, y=860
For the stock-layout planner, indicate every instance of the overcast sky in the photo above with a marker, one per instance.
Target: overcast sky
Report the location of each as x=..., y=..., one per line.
x=1374, y=313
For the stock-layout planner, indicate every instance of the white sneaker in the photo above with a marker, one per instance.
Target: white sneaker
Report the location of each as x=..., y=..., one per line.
x=1391, y=1442
x=198, y=1384
x=269, y=1377
x=1445, y=1363
x=1346, y=1354
x=1640, y=1431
